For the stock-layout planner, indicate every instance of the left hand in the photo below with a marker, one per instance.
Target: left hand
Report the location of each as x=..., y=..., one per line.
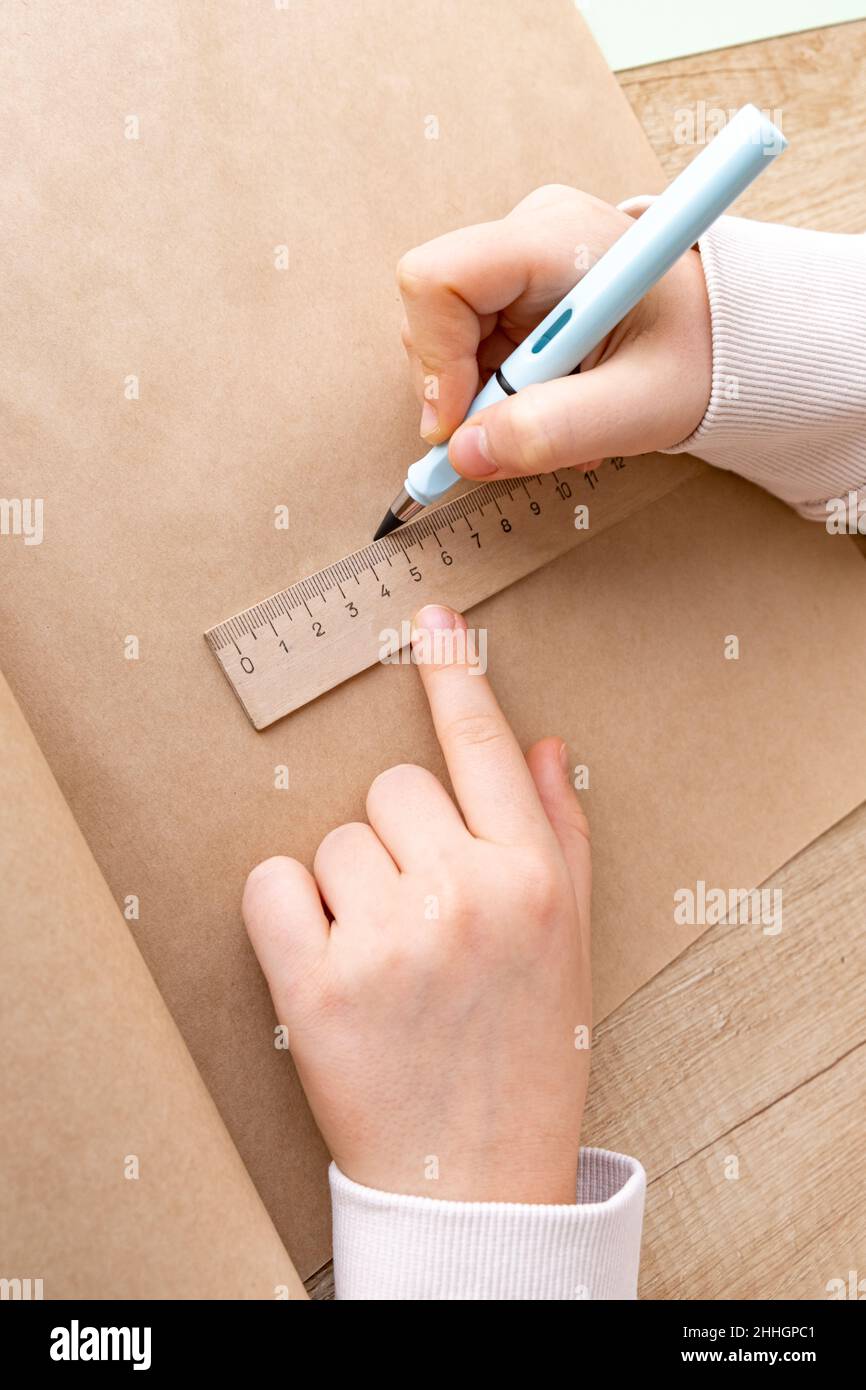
x=434, y=1020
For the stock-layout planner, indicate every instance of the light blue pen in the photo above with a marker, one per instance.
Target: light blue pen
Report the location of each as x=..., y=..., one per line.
x=612, y=287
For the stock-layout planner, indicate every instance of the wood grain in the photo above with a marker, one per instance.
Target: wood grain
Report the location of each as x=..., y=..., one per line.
x=752, y=1047
x=815, y=81
x=755, y=1048
x=744, y=1048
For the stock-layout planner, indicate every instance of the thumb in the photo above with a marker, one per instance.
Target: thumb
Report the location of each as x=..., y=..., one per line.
x=550, y=766
x=623, y=406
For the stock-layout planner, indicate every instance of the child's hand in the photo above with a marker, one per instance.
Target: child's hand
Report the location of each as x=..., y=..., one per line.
x=439, y=1023
x=472, y=295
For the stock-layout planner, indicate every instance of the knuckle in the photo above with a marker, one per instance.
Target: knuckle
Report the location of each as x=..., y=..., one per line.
x=375, y=974
x=455, y=902
x=264, y=881
x=335, y=841
x=392, y=778
x=413, y=275
x=541, y=888
x=555, y=191
x=579, y=822
x=474, y=731
x=274, y=864
x=336, y=991
x=549, y=195
x=393, y=785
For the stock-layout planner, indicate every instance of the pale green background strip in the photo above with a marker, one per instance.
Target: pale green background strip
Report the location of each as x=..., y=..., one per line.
x=633, y=32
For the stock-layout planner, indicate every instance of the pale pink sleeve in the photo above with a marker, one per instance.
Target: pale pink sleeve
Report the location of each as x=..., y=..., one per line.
x=788, y=402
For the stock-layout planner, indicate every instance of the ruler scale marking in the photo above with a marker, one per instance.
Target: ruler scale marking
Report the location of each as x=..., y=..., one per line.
x=273, y=674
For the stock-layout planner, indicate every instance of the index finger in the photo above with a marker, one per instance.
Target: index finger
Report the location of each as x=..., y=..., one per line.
x=488, y=771
x=452, y=289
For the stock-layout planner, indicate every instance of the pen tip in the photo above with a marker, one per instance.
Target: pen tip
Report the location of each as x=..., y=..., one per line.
x=389, y=523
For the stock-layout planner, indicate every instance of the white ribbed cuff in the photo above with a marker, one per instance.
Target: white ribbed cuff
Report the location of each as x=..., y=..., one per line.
x=390, y=1246
x=788, y=402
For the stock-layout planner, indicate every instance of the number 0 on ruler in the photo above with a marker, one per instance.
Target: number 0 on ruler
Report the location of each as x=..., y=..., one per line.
x=304, y=640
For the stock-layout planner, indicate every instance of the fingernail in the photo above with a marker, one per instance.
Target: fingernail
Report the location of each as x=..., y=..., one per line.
x=431, y=619
x=469, y=452
x=429, y=419
x=435, y=618
x=565, y=759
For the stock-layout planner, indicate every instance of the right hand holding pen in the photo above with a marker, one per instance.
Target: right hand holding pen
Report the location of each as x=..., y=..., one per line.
x=472, y=295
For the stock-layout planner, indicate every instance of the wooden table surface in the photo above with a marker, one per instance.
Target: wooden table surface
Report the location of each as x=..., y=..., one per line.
x=747, y=1053
x=738, y=1075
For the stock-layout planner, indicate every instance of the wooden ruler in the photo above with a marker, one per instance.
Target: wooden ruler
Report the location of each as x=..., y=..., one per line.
x=304, y=640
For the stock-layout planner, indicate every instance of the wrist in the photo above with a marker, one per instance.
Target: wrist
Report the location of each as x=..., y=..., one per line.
x=530, y=1176
x=696, y=332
